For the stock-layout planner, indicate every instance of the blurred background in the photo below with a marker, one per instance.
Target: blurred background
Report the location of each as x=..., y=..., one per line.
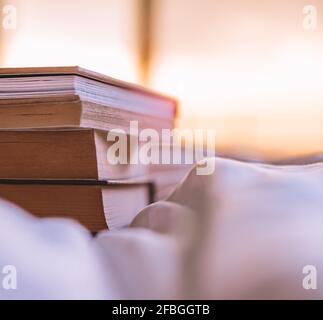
x=249, y=68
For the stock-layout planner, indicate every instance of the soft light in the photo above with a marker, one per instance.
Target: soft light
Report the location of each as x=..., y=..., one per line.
x=101, y=35
x=247, y=68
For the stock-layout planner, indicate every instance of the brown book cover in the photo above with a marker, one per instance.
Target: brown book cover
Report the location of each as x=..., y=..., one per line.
x=62, y=154
x=97, y=206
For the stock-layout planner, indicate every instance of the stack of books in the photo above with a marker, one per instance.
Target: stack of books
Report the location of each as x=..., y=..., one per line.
x=54, y=124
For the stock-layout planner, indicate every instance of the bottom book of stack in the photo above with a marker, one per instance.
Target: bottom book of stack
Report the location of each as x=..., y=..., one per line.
x=97, y=205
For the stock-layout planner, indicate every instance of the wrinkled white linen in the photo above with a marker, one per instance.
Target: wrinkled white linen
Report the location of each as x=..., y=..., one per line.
x=246, y=231
x=146, y=264
x=258, y=226
x=54, y=258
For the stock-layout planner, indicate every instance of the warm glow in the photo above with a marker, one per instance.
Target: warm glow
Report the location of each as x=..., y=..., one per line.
x=247, y=68
x=281, y=105
x=101, y=35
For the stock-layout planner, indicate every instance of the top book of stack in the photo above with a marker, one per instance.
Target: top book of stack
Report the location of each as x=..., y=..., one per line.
x=72, y=97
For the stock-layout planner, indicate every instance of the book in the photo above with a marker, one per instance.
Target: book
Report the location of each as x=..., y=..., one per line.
x=97, y=206
x=54, y=124
x=72, y=97
x=61, y=154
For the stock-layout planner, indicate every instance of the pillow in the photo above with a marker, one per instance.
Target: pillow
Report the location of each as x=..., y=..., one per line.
x=257, y=229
